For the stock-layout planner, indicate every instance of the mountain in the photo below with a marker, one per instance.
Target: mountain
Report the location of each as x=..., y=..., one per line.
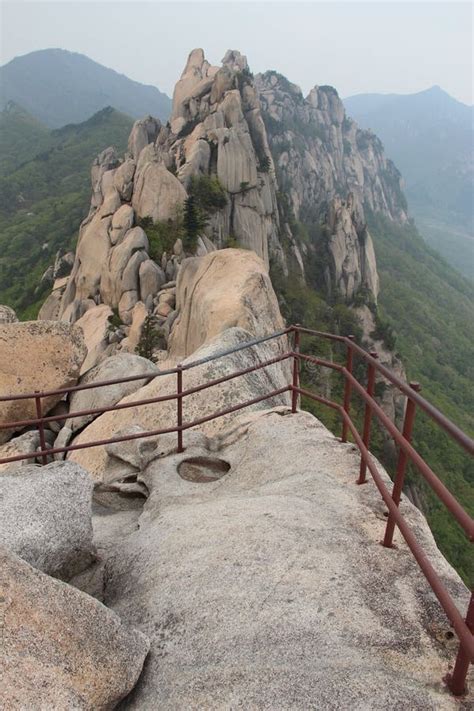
x=59, y=87
x=21, y=135
x=45, y=194
x=250, y=162
x=430, y=137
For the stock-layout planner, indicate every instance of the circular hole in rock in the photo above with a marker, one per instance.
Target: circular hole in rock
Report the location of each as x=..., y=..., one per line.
x=202, y=469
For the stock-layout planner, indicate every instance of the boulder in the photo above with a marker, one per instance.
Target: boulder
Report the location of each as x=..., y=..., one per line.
x=113, y=270
x=144, y=131
x=37, y=355
x=152, y=278
x=122, y=222
x=289, y=601
x=121, y=365
x=223, y=289
x=45, y=516
x=26, y=443
x=219, y=397
x=51, y=307
x=61, y=648
x=7, y=315
x=95, y=325
x=157, y=192
x=132, y=340
x=123, y=179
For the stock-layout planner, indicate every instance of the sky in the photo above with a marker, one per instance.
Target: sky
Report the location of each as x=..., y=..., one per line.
x=358, y=47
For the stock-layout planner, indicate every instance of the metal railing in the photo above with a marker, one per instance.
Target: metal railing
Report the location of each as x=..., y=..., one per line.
x=464, y=628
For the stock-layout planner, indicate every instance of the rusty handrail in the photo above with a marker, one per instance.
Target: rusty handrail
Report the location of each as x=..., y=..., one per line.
x=463, y=628
x=149, y=376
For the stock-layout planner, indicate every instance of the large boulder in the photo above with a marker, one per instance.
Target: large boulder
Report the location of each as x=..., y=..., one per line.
x=121, y=365
x=217, y=398
x=289, y=600
x=157, y=192
x=61, y=648
x=226, y=288
x=37, y=355
x=95, y=325
x=26, y=443
x=45, y=516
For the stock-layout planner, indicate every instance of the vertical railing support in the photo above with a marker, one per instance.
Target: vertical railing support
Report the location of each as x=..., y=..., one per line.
x=371, y=371
x=179, y=405
x=457, y=680
x=39, y=415
x=347, y=388
x=401, y=465
x=296, y=368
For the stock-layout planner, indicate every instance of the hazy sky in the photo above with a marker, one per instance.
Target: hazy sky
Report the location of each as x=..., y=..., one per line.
x=355, y=46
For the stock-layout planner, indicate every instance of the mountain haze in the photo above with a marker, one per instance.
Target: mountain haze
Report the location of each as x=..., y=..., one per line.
x=59, y=87
x=430, y=137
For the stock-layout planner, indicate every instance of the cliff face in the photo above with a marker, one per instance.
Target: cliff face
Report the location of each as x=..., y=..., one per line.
x=330, y=171
x=278, y=159
x=294, y=177
x=217, y=128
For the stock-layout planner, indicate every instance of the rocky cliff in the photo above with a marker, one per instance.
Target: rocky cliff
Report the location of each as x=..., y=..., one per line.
x=329, y=171
x=243, y=161
x=246, y=162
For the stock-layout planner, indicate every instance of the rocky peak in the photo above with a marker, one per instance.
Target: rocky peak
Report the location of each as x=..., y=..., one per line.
x=266, y=157
x=330, y=172
x=235, y=61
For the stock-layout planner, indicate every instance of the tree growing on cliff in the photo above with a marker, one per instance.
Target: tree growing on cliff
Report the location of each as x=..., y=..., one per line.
x=151, y=338
x=205, y=196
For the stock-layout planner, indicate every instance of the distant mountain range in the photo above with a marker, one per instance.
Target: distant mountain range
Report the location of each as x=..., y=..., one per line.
x=430, y=137
x=58, y=87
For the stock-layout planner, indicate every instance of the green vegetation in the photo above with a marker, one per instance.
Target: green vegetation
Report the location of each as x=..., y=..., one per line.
x=151, y=338
x=21, y=135
x=162, y=234
x=44, y=199
x=434, y=157
x=431, y=308
x=426, y=311
x=205, y=196
x=115, y=321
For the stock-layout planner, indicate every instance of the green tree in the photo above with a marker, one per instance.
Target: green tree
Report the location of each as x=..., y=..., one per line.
x=151, y=338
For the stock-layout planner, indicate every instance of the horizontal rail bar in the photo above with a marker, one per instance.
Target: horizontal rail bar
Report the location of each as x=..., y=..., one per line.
x=235, y=408
x=318, y=398
x=151, y=433
x=453, y=430
x=147, y=401
x=235, y=349
x=462, y=517
x=462, y=630
x=150, y=376
x=318, y=361
x=321, y=334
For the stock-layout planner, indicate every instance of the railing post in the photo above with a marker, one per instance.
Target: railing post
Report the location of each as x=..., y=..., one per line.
x=39, y=415
x=368, y=416
x=296, y=369
x=347, y=388
x=457, y=680
x=179, y=403
x=401, y=465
